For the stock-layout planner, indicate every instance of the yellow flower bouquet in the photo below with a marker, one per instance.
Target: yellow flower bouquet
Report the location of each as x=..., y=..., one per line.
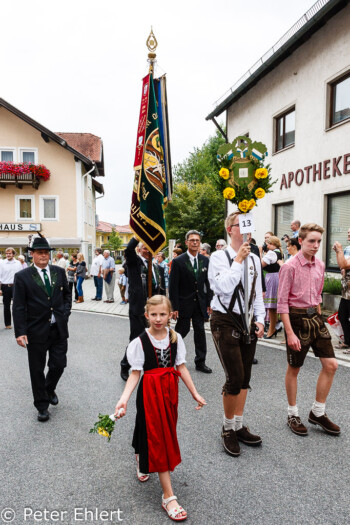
x=104, y=426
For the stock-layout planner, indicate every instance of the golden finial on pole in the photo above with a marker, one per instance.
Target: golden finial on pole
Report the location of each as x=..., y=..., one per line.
x=151, y=44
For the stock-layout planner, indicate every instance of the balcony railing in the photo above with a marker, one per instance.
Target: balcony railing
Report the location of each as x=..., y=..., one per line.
x=19, y=180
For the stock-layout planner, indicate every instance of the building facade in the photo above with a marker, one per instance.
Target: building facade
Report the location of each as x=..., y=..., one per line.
x=296, y=100
x=63, y=208
x=104, y=231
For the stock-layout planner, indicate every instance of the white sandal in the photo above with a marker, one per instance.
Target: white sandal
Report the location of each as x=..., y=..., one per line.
x=172, y=513
x=140, y=476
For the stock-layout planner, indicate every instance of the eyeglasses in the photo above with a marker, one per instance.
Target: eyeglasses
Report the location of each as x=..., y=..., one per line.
x=193, y=240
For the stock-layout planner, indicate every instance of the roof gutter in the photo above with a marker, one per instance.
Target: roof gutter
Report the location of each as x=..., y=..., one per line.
x=304, y=33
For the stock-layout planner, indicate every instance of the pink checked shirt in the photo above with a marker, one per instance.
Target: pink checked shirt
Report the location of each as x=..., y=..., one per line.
x=300, y=283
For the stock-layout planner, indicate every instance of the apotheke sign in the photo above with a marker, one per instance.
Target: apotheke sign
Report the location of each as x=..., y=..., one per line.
x=326, y=169
x=19, y=227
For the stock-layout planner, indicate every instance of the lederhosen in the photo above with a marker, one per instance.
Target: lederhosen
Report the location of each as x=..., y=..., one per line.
x=155, y=438
x=309, y=327
x=236, y=352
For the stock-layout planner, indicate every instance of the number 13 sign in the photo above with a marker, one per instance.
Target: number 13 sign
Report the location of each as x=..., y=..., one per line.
x=246, y=222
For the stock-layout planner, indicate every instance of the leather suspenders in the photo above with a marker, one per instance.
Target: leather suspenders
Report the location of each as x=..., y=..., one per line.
x=236, y=296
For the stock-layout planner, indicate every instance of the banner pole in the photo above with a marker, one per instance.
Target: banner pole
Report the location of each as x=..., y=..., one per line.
x=246, y=287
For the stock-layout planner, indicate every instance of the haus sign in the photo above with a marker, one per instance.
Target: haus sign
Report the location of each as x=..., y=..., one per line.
x=327, y=169
x=19, y=227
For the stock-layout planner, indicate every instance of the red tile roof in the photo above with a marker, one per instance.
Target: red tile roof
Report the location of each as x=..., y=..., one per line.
x=88, y=144
x=106, y=227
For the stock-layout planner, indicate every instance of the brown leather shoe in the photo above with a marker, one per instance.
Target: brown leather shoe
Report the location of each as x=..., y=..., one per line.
x=296, y=426
x=324, y=422
x=230, y=442
x=244, y=435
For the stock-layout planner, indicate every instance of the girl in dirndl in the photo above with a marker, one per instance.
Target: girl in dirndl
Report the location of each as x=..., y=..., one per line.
x=160, y=352
x=269, y=262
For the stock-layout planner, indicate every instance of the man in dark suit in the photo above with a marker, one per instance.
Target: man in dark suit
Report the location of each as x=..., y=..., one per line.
x=41, y=307
x=137, y=270
x=190, y=295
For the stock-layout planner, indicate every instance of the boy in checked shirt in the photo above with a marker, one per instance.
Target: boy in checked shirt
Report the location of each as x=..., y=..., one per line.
x=299, y=298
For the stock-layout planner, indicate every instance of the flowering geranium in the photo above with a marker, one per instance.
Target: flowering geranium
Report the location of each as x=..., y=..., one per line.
x=17, y=170
x=229, y=193
x=259, y=193
x=261, y=173
x=224, y=173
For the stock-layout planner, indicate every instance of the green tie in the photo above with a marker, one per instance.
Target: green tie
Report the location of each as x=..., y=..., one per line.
x=195, y=267
x=47, y=282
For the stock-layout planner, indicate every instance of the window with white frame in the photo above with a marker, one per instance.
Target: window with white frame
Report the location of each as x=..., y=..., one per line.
x=7, y=154
x=25, y=207
x=340, y=99
x=285, y=129
x=28, y=155
x=49, y=208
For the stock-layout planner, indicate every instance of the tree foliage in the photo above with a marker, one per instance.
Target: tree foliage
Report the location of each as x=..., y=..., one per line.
x=197, y=198
x=115, y=242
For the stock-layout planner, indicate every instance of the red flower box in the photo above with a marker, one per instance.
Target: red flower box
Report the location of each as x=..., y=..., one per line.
x=16, y=170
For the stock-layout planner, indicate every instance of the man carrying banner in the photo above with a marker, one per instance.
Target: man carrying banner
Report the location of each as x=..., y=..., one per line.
x=151, y=192
x=234, y=341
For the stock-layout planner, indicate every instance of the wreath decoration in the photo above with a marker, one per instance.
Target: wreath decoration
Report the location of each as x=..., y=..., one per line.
x=243, y=173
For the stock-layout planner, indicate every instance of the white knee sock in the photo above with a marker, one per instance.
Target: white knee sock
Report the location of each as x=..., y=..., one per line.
x=229, y=424
x=293, y=411
x=238, y=422
x=318, y=409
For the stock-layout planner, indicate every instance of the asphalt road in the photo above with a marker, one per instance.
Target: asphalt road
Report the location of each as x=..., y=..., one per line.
x=68, y=476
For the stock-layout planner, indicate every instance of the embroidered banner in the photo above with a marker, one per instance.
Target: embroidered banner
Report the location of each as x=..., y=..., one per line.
x=149, y=192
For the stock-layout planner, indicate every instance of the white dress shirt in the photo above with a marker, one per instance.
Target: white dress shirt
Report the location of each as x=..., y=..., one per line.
x=145, y=262
x=192, y=258
x=224, y=278
x=40, y=272
x=136, y=355
x=8, y=269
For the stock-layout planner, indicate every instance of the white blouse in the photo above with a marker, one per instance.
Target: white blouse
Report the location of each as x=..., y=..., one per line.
x=136, y=355
x=270, y=257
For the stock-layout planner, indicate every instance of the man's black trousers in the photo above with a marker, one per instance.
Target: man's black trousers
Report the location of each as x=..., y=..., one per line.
x=6, y=298
x=138, y=323
x=183, y=326
x=41, y=385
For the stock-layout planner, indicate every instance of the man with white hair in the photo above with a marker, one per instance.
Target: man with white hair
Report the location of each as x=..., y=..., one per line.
x=108, y=268
x=60, y=260
x=221, y=244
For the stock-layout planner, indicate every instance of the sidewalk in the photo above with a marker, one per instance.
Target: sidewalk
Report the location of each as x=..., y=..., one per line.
x=116, y=308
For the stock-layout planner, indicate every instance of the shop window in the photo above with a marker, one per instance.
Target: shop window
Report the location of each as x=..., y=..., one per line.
x=338, y=223
x=285, y=130
x=25, y=207
x=340, y=100
x=49, y=208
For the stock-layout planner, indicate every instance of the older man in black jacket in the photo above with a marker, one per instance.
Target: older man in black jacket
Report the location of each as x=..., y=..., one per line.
x=41, y=307
x=137, y=269
x=190, y=295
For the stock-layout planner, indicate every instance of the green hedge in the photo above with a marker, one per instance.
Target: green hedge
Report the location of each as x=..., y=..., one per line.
x=332, y=285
